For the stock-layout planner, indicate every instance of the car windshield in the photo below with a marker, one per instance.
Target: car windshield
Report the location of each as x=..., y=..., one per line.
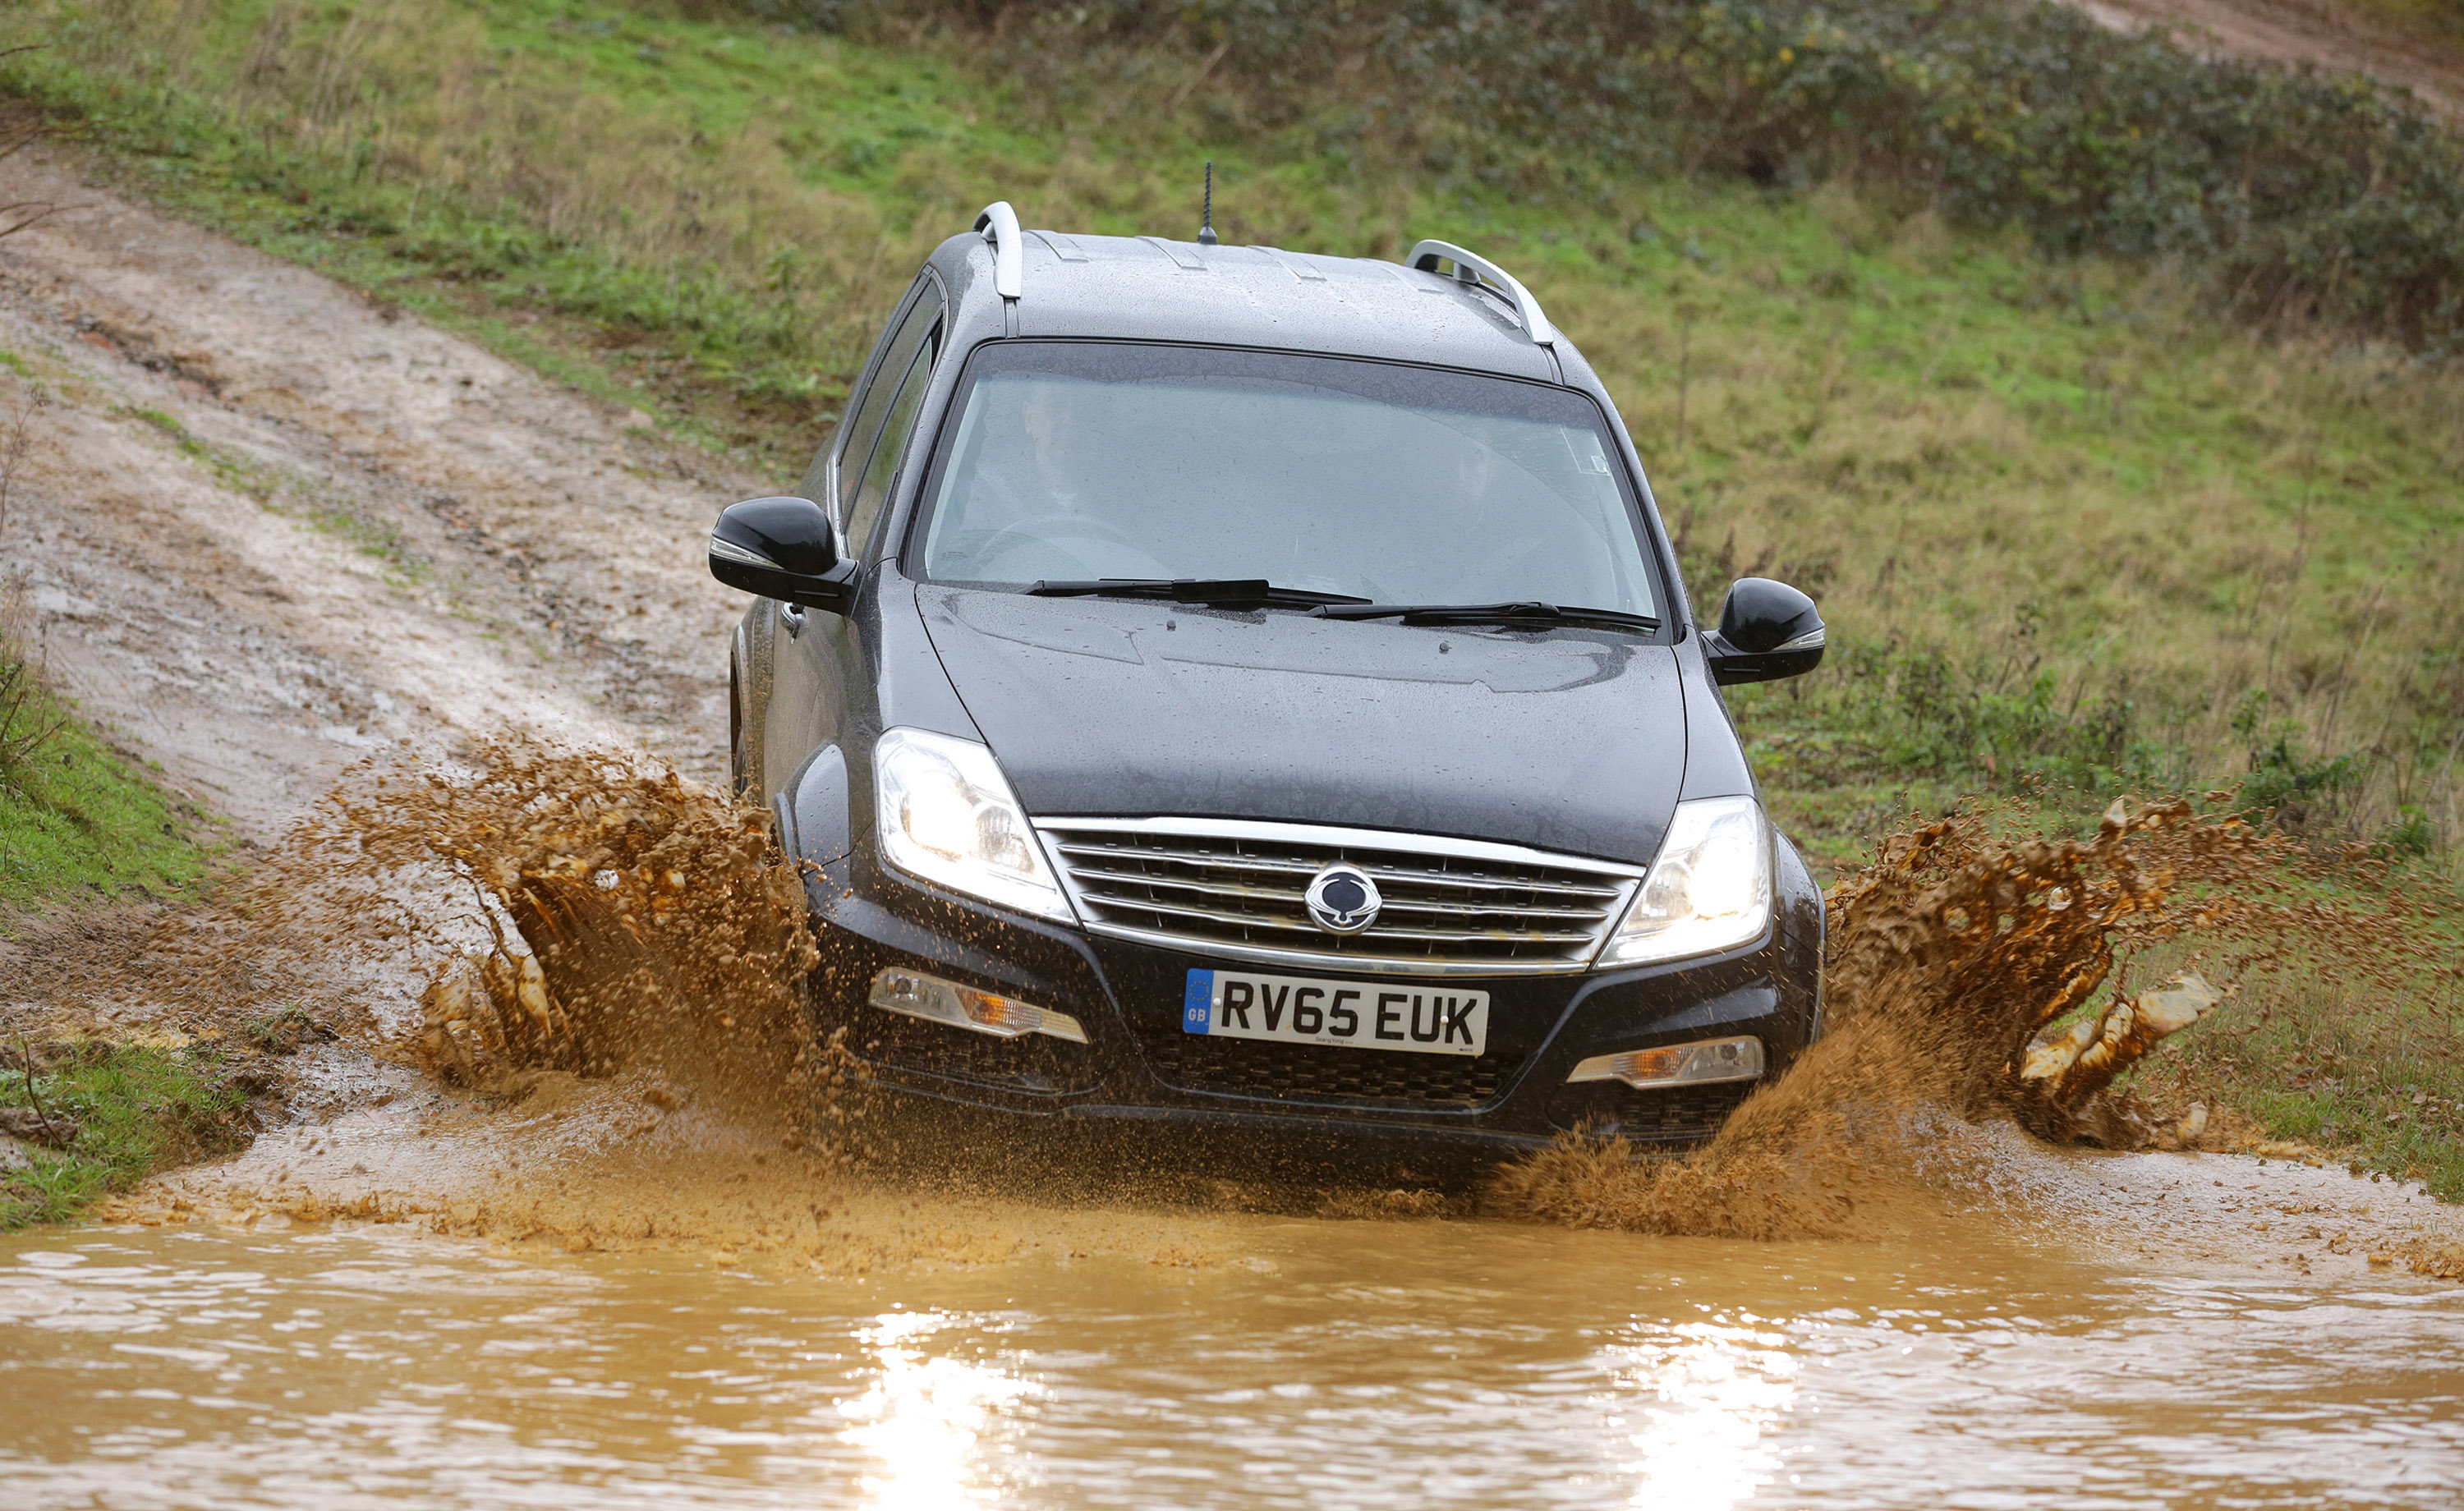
x=1077, y=461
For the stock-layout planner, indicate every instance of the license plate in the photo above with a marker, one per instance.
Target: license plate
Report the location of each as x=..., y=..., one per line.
x=1360, y=1015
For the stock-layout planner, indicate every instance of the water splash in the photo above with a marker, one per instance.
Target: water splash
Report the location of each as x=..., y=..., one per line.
x=1962, y=989
x=580, y=944
x=616, y=916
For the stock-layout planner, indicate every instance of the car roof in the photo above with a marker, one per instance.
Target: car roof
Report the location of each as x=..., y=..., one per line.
x=1149, y=288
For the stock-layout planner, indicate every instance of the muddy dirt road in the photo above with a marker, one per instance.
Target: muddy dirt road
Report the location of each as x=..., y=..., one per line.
x=270, y=527
x=271, y=530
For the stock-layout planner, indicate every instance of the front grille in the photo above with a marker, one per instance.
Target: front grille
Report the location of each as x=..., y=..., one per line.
x=1318, y=1073
x=1235, y=889
x=1653, y=1115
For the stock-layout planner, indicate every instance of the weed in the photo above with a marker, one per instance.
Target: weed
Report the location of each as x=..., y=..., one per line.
x=2286, y=786
x=26, y=724
x=27, y=721
x=2373, y=1072
x=16, y=440
x=2411, y=835
x=283, y=1031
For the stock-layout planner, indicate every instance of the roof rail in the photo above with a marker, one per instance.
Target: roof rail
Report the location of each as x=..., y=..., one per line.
x=1472, y=267
x=999, y=224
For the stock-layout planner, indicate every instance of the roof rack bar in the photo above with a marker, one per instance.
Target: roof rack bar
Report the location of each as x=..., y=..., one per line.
x=999, y=224
x=1470, y=267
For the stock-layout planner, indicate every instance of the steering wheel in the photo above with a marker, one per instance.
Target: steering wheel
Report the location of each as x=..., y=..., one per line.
x=1515, y=566
x=1032, y=533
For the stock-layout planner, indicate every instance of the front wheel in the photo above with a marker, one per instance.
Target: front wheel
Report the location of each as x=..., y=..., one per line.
x=739, y=754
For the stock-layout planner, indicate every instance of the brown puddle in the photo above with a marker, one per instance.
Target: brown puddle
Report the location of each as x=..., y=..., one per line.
x=1408, y=1365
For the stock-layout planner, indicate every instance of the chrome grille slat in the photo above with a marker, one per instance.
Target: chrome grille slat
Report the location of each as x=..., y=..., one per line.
x=1089, y=875
x=1303, y=925
x=1230, y=888
x=1385, y=874
x=1090, y=879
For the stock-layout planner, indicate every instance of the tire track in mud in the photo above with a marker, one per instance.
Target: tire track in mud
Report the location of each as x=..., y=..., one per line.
x=269, y=526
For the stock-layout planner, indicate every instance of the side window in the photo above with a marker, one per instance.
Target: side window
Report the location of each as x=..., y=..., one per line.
x=870, y=406
x=872, y=491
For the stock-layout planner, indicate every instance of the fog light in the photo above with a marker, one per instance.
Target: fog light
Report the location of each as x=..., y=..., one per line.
x=1699, y=1064
x=930, y=997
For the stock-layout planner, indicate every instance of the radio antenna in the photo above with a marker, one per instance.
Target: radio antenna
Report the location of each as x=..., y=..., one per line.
x=1206, y=215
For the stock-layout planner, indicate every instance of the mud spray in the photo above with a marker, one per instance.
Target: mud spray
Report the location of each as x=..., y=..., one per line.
x=1971, y=982
x=612, y=1046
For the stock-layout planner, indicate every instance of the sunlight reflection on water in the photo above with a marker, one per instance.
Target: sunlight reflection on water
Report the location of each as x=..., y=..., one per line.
x=1712, y=1395
x=924, y=1416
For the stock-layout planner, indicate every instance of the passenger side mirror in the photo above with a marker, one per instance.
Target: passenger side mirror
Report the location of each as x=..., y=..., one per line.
x=782, y=548
x=1768, y=630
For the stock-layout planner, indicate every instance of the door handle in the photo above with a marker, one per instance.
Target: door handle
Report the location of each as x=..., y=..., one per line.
x=793, y=617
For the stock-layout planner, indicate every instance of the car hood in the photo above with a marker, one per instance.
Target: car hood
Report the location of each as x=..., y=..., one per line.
x=1566, y=739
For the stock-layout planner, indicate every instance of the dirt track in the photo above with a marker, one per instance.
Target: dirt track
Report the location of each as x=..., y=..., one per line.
x=2325, y=32
x=445, y=543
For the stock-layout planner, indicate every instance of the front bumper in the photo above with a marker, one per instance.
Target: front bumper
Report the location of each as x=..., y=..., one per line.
x=1139, y=1071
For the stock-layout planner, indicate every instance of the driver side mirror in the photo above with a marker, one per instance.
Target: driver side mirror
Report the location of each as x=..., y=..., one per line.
x=1768, y=630
x=782, y=548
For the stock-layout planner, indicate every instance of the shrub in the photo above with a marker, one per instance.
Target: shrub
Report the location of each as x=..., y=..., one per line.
x=2293, y=789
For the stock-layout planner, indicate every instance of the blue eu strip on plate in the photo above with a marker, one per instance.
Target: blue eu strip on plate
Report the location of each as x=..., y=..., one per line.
x=1197, y=1004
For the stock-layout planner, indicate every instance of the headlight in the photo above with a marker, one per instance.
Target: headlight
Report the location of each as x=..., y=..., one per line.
x=1711, y=888
x=945, y=814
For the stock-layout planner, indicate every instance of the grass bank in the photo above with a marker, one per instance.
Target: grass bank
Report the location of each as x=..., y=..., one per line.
x=77, y=818
x=99, y=1117
x=2076, y=533
x=2374, y=1076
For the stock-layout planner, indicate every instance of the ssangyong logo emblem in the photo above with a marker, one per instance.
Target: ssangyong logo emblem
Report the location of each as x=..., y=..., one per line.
x=1343, y=899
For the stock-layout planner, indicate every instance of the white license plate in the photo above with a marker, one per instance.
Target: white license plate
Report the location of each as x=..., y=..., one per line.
x=1362, y=1015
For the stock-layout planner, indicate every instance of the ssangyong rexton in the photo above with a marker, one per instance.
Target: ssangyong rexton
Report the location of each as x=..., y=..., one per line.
x=1226, y=687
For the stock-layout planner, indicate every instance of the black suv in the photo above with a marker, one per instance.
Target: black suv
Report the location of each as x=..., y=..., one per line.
x=1228, y=687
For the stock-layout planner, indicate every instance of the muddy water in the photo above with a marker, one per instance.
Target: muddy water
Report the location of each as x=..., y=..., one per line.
x=1355, y=1364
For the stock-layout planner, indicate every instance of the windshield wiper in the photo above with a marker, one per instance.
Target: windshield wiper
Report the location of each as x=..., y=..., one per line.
x=1525, y=613
x=1229, y=592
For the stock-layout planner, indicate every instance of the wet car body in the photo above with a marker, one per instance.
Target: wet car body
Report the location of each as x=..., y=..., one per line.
x=1185, y=761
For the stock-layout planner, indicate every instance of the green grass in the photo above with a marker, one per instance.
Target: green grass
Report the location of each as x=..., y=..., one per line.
x=137, y=1109
x=2375, y=1077
x=79, y=820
